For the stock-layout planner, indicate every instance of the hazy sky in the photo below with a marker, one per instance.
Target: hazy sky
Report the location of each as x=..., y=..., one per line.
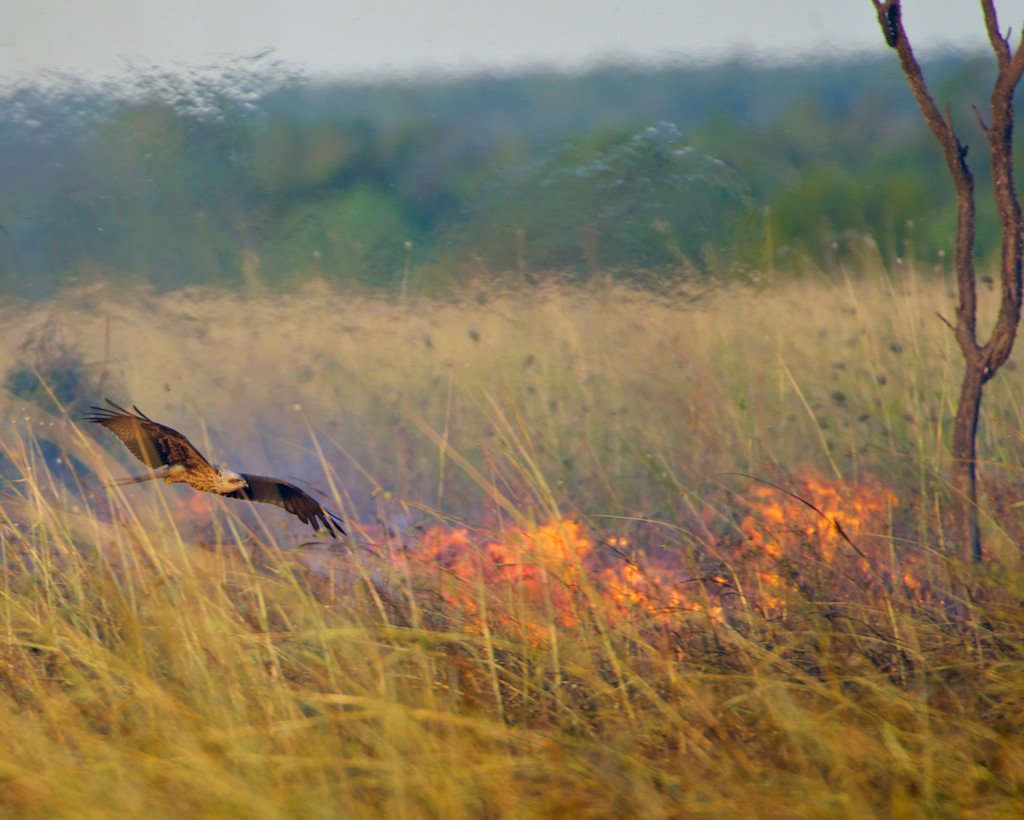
x=374, y=37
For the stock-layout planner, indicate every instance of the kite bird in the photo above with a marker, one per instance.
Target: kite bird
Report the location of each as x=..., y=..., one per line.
x=173, y=458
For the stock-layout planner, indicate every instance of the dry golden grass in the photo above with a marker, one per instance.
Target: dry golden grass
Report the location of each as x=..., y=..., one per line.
x=161, y=655
x=616, y=386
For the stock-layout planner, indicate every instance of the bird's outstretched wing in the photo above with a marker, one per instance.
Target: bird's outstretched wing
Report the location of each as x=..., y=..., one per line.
x=153, y=444
x=298, y=502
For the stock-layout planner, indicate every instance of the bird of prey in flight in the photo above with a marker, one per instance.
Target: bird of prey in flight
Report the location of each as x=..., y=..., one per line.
x=173, y=458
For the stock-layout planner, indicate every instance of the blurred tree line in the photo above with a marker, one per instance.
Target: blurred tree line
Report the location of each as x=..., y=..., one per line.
x=248, y=174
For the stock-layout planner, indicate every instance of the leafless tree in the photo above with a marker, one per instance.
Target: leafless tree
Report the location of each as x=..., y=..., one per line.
x=982, y=359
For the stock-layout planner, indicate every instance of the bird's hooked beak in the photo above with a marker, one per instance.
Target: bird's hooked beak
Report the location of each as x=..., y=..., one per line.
x=233, y=478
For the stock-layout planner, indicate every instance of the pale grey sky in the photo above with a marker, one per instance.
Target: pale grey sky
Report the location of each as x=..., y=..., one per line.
x=94, y=38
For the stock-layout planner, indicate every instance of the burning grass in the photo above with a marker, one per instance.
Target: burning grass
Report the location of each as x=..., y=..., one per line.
x=557, y=596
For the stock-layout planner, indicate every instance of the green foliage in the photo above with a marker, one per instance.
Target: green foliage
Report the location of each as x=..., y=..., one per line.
x=176, y=179
x=648, y=202
x=359, y=235
x=288, y=157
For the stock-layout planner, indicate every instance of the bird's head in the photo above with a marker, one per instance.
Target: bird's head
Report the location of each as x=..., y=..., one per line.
x=230, y=480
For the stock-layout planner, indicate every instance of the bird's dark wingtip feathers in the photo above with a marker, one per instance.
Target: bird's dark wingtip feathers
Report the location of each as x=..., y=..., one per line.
x=98, y=414
x=101, y=414
x=326, y=520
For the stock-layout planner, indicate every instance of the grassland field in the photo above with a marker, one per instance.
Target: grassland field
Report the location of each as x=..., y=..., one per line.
x=566, y=588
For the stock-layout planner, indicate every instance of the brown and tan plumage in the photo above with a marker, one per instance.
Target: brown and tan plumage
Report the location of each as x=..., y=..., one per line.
x=174, y=459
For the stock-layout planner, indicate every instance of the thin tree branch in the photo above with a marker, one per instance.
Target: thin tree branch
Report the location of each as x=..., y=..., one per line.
x=981, y=118
x=1000, y=45
x=890, y=19
x=1000, y=136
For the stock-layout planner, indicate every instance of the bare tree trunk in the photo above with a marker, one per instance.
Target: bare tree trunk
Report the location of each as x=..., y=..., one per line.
x=964, y=452
x=981, y=361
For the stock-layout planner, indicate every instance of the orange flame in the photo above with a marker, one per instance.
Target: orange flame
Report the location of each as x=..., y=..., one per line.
x=526, y=581
x=777, y=519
